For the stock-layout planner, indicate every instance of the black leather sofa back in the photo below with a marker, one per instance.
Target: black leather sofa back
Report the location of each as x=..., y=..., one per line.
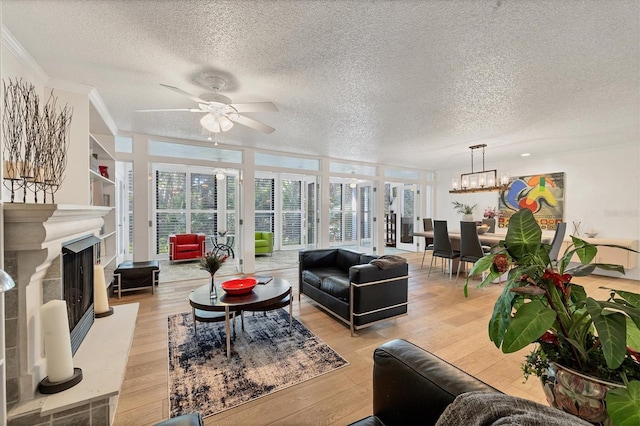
x=413, y=387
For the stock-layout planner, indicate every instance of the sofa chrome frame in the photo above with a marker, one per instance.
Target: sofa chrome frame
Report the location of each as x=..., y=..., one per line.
x=353, y=327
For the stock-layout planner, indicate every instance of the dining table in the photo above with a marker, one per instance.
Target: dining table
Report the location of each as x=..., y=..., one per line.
x=488, y=239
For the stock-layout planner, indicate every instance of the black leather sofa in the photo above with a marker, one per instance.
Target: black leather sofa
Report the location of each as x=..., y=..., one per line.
x=413, y=387
x=345, y=284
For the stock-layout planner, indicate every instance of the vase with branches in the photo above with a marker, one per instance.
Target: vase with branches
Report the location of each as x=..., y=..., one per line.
x=211, y=262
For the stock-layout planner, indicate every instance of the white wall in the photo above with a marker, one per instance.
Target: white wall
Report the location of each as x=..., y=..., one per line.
x=75, y=188
x=602, y=190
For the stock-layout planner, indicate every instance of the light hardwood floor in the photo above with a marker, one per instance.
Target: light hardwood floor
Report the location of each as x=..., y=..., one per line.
x=440, y=319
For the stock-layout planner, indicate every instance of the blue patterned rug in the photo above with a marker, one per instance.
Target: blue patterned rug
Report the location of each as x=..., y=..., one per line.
x=265, y=358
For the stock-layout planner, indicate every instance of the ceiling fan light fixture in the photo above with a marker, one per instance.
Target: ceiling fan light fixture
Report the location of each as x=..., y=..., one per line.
x=210, y=123
x=225, y=123
x=216, y=123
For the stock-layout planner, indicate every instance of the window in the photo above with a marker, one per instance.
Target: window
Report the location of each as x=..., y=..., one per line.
x=189, y=202
x=171, y=217
x=264, y=206
x=203, y=212
x=291, y=212
x=335, y=213
x=231, y=204
x=124, y=144
x=342, y=215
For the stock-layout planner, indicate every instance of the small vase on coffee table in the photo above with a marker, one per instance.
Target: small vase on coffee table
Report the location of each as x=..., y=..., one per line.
x=212, y=287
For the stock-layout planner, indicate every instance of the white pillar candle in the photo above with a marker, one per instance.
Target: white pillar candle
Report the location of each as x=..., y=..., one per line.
x=100, y=301
x=57, y=340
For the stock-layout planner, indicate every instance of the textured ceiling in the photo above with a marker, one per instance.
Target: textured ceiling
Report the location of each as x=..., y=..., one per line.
x=410, y=83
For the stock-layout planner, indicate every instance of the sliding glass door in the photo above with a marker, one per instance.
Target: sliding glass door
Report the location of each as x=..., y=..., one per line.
x=406, y=220
x=193, y=200
x=365, y=209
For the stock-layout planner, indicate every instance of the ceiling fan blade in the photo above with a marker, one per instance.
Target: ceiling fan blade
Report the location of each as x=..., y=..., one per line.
x=255, y=107
x=171, y=109
x=182, y=92
x=250, y=122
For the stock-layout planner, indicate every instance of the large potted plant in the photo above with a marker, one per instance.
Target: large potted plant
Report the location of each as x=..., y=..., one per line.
x=540, y=304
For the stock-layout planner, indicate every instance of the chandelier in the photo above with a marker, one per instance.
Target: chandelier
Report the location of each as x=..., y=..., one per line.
x=482, y=181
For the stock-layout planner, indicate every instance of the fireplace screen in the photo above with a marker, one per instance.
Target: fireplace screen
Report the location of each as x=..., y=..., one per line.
x=78, y=258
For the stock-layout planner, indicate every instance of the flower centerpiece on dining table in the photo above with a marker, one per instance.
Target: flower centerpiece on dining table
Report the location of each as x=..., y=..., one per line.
x=540, y=304
x=211, y=262
x=491, y=213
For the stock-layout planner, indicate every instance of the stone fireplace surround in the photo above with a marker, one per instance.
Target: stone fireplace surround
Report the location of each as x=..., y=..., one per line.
x=33, y=238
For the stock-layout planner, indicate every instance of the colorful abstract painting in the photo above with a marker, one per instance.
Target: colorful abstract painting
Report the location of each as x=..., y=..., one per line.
x=542, y=194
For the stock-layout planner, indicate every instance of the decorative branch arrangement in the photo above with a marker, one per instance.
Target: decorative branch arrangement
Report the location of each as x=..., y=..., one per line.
x=36, y=142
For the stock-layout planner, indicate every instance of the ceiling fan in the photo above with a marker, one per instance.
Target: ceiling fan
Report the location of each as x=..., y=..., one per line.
x=220, y=112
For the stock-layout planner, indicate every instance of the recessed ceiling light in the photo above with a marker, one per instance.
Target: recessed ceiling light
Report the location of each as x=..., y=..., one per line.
x=526, y=154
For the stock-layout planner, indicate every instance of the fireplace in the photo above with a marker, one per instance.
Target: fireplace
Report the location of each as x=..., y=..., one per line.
x=78, y=258
x=34, y=237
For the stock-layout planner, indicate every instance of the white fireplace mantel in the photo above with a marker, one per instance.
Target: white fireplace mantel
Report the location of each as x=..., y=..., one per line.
x=34, y=235
x=38, y=226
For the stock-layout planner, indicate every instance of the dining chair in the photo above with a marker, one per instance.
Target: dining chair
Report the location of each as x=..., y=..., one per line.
x=427, y=223
x=442, y=245
x=558, y=238
x=470, y=248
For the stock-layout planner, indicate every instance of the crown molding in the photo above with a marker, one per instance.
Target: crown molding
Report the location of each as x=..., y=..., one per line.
x=14, y=46
x=101, y=109
x=69, y=86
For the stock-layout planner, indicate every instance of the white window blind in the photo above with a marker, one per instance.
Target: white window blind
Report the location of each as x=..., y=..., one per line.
x=264, y=204
x=170, y=207
x=291, y=212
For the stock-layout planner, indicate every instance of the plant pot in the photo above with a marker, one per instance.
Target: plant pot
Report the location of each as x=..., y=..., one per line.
x=577, y=394
x=467, y=218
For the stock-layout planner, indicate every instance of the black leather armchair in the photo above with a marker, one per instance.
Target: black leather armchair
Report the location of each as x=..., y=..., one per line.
x=346, y=285
x=413, y=387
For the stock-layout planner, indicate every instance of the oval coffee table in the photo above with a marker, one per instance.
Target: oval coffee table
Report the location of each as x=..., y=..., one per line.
x=275, y=294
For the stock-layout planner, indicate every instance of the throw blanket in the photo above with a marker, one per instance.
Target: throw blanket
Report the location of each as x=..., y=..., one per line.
x=388, y=261
x=495, y=409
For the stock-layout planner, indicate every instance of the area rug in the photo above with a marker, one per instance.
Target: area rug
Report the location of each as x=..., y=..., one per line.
x=265, y=358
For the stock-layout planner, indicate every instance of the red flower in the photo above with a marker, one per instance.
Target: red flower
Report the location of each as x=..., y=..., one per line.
x=560, y=281
x=549, y=337
x=501, y=263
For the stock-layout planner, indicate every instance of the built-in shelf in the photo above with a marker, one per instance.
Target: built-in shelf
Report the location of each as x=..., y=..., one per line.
x=98, y=148
x=103, y=194
x=107, y=262
x=95, y=176
x=106, y=235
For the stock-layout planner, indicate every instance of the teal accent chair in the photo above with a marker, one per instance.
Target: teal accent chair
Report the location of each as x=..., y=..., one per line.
x=264, y=243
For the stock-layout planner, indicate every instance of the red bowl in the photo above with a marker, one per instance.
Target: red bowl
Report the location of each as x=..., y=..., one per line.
x=239, y=286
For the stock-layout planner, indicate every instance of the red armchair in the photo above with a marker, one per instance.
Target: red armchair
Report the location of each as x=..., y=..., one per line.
x=186, y=246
